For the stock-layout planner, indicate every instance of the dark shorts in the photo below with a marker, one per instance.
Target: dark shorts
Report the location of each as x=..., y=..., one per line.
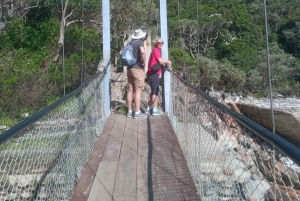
x=153, y=80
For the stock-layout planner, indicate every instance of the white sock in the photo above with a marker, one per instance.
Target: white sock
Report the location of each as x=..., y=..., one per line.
x=137, y=112
x=154, y=109
x=129, y=110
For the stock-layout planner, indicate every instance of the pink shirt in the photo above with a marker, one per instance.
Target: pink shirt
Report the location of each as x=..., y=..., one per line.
x=153, y=59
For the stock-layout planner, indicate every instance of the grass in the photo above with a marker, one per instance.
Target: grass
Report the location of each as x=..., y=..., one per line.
x=123, y=110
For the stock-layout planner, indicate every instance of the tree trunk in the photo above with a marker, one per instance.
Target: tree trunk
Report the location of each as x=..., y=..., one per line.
x=61, y=32
x=60, y=41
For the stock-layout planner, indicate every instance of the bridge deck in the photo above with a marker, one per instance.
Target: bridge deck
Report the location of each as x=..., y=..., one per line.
x=136, y=160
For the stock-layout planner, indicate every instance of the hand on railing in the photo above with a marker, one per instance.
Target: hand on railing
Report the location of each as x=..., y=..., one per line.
x=168, y=67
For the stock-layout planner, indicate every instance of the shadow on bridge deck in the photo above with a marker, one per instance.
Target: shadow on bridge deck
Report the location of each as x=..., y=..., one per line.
x=136, y=160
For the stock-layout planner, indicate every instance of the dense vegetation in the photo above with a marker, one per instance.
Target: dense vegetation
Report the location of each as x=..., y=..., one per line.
x=225, y=47
x=222, y=47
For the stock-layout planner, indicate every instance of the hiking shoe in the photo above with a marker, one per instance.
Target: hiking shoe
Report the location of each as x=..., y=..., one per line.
x=157, y=112
x=140, y=115
x=148, y=111
x=130, y=114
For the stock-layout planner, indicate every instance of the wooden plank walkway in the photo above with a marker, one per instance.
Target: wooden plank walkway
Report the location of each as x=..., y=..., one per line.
x=136, y=160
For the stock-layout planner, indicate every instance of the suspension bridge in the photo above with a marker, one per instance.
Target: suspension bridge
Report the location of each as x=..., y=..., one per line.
x=77, y=149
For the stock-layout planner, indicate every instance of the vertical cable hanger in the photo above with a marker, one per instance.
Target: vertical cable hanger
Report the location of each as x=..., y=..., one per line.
x=179, y=25
x=82, y=63
x=198, y=39
x=268, y=65
x=63, y=48
x=270, y=89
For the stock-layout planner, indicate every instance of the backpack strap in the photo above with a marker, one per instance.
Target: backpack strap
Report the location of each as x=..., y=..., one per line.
x=133, y=41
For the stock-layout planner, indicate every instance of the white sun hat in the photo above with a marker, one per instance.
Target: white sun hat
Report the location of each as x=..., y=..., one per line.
x=138, y=34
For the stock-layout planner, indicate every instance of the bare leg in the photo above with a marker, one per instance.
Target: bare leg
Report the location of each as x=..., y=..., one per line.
x=154, y=100
x=149, y=101
x=129, y=96
x=137, y=99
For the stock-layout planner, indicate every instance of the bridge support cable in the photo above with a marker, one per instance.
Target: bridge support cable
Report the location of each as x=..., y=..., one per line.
x=106, y=53
x=82, y=44
x=270, y=91
x=63, y=48
x=268, y=65
x=164, y=35
x=229, y=155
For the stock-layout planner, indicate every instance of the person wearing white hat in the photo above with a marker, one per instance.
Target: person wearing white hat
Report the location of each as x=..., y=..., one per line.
x=136, y=76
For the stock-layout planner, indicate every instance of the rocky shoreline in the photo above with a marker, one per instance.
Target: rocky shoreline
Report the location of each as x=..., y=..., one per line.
x=290, y=104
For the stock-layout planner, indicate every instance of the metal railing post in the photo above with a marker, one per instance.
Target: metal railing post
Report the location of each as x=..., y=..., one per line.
x=106, y=53
x=164, y=35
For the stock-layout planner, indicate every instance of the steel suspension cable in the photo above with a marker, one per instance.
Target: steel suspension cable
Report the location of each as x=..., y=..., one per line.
x=198, y=39
x=63, y=46
x=270, y=89
x=148, y=16
x=82, y=63
x=179, y=24
x=268, y=65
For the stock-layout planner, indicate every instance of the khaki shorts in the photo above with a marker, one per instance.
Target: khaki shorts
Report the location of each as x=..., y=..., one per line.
x=136, y=78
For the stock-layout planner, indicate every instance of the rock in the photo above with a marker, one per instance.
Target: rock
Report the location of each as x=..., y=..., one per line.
x=287, y=124
x=234, y=107
x=225, y=193
x=11, y=197
x=282, y=193
x=227, y=171
x=242, y=175
x=227, y=184
x=219, y=178
x=43, y=196
x=3, y=127
x=26, y=195
x=263, y=155
x=23, y=184
x=245, y=141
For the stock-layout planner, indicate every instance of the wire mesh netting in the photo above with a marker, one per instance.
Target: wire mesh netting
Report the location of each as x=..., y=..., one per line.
x=227, y=160
x=44, y=161
x=48, y=49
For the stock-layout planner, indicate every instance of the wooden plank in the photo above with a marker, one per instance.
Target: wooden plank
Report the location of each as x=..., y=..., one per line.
x=125, y=185
x=142, y=179
x=121, y=119
x=143, y=126
x=113, y=117
x=143, y=145
x=124, y=199
x=104, y=182
x=130, y=139
x=132, y=123
x=108, y=126
x=117, y=132
x=88, y=175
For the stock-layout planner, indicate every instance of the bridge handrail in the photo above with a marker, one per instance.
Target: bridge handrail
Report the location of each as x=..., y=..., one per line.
x=278, y=142
x=31, y=120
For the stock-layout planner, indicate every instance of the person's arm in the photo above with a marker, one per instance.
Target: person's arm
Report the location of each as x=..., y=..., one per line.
x=164, y=61
x=143, y=55
x=159, y=59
